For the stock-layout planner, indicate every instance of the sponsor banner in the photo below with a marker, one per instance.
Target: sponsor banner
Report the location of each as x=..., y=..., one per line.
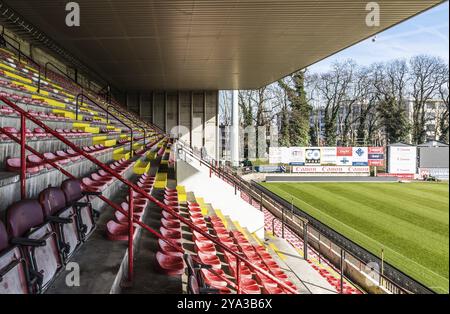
x=285, y=155
x=402, y=159
x=376, y=163
x=344, y=161
x=297, y=155
x=274, y=155
x=296, y=164
x=344, y=151
x=360, y=156
x=330, y=169
x=312, y=156
x=328, y=156
x=397, y=175
x=376, y=150
x=268, y=169
x=376, y=156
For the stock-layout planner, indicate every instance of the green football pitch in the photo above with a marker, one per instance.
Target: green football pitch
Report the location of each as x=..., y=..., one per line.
x=410, y=221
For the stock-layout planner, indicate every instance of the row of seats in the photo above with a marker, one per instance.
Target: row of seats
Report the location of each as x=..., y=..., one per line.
x=99, y=180
x=41, y=235
x=210, y=277
x=117, y=229
x=62, y=84
x=38, y=133
x=35, y=164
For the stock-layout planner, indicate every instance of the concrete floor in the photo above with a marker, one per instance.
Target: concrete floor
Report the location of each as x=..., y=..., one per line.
x=308, y=280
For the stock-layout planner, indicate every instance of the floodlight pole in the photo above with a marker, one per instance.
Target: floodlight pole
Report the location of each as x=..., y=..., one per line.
x=235, y=129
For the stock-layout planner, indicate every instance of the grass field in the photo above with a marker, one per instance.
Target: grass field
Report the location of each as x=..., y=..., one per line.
x=409, y=220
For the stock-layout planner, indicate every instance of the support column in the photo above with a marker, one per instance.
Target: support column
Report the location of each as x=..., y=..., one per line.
x=218, y=136
x=235, y=129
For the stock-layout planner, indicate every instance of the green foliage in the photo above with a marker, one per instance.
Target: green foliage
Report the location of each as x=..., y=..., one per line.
x=300, y=110
x=393, y=118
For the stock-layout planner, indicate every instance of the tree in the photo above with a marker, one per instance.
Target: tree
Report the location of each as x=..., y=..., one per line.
x=390, y=83
x=333, y=87
x=394, y=120
x=300, y=109
x=427, y=75
x=444, y=116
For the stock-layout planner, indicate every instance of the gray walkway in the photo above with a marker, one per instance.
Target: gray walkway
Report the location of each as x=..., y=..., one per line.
x=299, y=271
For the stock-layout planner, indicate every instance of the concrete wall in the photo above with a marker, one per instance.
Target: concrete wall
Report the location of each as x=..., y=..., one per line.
x=10, y=187
x=221, y=195
x=193, y=114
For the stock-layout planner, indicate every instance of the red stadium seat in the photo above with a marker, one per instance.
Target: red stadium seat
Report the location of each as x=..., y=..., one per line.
x=64, y=219
x=28, y=229
x=171, y=265
x=13, y=267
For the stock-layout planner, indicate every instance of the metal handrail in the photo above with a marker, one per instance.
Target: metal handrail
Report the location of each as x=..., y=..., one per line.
x=20, y=53
x=239, y=257
x=82, y=95
x=108, y=113
x=60, y=71
x=241, y=184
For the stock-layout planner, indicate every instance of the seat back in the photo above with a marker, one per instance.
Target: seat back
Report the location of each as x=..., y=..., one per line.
x=53, y=202
x=74, y=193
x=13, y=270
x=25, y=219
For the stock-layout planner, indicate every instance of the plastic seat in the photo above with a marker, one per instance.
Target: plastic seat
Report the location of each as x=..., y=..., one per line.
x=210, y=259
x=170, y=224
x=13, y=267
x=197, y=216
x=205, y=247
x=27, y=228
x=14, y=165
x=63, y=155
x=74, y=156
x=212, y=279
x=79, y=200
x=170, y=234
x=123, y=219
x=105, y=180
x=91, y=185
x=171, y=265
x=168, y=249
x=55, y=158
x=64, y=219
x=169, y=216
x=36, y=161
x=249, y=286
x=118, y=232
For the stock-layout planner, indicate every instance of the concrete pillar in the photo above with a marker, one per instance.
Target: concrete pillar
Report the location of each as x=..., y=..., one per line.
x=235, y=129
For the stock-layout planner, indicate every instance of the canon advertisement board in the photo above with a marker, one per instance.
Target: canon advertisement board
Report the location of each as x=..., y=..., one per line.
x=328, y=156
x=402, y=159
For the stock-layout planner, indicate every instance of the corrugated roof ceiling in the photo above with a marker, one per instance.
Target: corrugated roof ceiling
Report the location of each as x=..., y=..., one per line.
x=187, y=44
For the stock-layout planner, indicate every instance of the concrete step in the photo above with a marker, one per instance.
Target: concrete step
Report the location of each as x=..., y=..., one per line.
x=299, y=271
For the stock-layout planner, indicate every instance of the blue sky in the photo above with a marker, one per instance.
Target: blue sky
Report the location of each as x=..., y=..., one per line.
x=427, y=33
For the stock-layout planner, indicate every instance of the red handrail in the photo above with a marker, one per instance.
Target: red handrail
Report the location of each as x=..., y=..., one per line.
x=116, y=207
x=136, y=188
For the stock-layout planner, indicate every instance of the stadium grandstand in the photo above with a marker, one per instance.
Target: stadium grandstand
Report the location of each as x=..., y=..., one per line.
x=110, y=178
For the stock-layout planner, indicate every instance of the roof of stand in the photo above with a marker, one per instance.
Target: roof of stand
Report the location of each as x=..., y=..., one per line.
x=208, y=44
